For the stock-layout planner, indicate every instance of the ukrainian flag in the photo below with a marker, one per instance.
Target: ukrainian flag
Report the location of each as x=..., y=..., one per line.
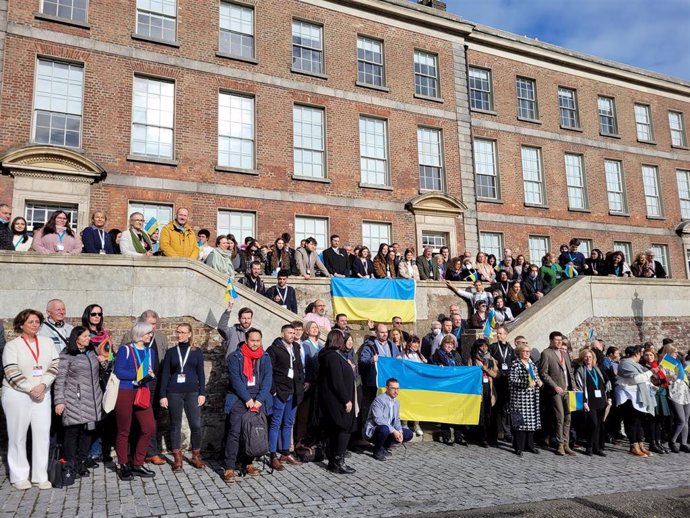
x=490, y=323
x=570, y=271
x=374, y=299
x=151, y=226
x=230, y=292
x=673, y=365
x=432, y=393
x=576, y=401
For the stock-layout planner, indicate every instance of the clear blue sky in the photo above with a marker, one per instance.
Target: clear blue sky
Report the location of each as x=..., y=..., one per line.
x=651, y=34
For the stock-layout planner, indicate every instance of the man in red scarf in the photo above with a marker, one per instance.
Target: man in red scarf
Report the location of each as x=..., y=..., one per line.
x=251, y=376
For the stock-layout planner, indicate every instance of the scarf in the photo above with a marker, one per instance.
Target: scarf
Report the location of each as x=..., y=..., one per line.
x=249, y=357
x=221, y=260
x=450, y=361
x=136, y=242
x=661, y=375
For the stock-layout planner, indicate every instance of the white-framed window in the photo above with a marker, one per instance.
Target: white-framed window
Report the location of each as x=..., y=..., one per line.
x=308, y=125
x=373, y=151
x=236, y=30
x=626, y=248
x=75, y=10
x=39, y=212
x=153, y=117
x=567, y=104
x=527, y=98
x=370, y=66
x=241, y=224
x=430, y=153
x=643, y=122
x=58, y=101
x=683, y=179
x=157, y=19
x=677, y=126
x=585, y=247
x=650, y=181
x=236, y=131
x=162, y=212
x=607, y=115
x=307, y=47
x=375, y=233
x=539, y=246
x=486, y=169
x=317, y=228
x=661, y=255
x=434, y=239
x=426, y=74
x=615, y=186
x=532, y=175
x=491, y=243
x=481, y=97
x=575, y=178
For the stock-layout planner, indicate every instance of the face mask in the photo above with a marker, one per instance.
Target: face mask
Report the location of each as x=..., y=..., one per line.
x=436, y=332
x=533, y=275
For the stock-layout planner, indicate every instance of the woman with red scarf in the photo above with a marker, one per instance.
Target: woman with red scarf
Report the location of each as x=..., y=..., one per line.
x=251, y=376
x=654, y=423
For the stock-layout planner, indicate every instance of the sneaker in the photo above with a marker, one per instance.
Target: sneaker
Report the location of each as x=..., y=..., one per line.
x=229, y=475
x=45, y=485
x=418, y=431
x=380, y=455
x=22, y=484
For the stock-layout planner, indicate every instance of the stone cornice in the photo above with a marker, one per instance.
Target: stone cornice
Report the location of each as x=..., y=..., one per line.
x=51, y=162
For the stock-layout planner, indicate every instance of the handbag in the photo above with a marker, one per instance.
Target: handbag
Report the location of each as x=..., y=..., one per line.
x=55, y=467
x=110, y=393
x=142, y=398
x=516, y=419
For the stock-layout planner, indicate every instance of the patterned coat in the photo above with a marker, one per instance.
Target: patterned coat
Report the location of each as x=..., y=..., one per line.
x=523, y=398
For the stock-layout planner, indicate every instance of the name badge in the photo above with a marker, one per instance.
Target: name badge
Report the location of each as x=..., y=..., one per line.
x=37, y=371
x=597, y=393
x=181, y=378
x=251, y=383
x=485, y=379
x=60, y=248
x=101, y=251
x=291, y=373
x=283, y=306
x=504, y=367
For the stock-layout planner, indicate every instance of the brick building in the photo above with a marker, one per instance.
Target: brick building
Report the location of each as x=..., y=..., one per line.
x=322, y=116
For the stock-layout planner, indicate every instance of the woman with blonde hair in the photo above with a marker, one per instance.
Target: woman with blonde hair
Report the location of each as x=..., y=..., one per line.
x=183, y=388
x=679, y=399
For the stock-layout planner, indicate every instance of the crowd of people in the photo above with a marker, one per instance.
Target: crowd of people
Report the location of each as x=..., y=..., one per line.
x=83, y=388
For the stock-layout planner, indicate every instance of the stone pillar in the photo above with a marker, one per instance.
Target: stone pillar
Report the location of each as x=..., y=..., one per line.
x=465, y=148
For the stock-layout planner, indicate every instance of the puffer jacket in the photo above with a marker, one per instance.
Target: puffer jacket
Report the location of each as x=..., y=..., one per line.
x=77, y=387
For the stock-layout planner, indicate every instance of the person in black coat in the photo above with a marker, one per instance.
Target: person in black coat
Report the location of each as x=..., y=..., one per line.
x=96, y=239
x=337, y=399
x=447, y=356
x=504, y=354
x=533, y=286
x=362, y=266
x=283, y=294
x=336, y=259
x=287, y=391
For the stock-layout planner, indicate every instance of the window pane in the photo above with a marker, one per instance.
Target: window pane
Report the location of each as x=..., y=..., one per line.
x=312, y=227
x=532, y=175
x=307, y=47
x=576, y=182
x=643, y=122
x=526, y=97
x=373, y=234
x=480, y=89
x=236, y=30
x=163, y=213
x=435, y=240
x=370, y=61
x=567, y=103
x=650, y=182
x=39, y=212
x=373, y=151
x=430, y=159
x=153, y=111
x=661, y=255
x=614, y=186
x=425, y=74
x=491, y=243
x=236, y=131
x=239, y=224
x=485, y=164
x=157, y=19
x=538, y=248
x=626, y=248
x=308, y=135
x=683, y=180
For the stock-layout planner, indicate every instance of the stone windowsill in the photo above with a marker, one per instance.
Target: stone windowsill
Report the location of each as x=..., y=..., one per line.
x=428, y=98
x=236, y=170
x=486, y=112
x=372, y=186
x=233, y=57
x=174, y=44
x=152, y=160
x=308, y=74
x=310, y=179
x=373, y=87
x=60, y=19
x=531, y=121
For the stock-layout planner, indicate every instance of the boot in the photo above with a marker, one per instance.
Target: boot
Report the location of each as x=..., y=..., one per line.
x=340, y=467
x=654, y=446
x=645, y=450
x=445, y=437
x=635, y=450
x=82, y=470
x=568, y=450
x=196, y=459
x=177, y=460
x=663, y=447
x=673, y=447
x=560, y=451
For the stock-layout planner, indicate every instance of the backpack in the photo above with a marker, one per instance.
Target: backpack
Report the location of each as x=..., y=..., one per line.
x=254, y=434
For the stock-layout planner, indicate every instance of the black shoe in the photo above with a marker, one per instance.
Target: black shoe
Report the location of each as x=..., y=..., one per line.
x=125, y=473
x=533, y=450
x=684, y=448
x=673, y=447
x=654, y=448
x=91, y=463
x=508, y=438
x=341, y=468
x=380, y=455
x=143, y=472
x=388, y=452
x=445, y=438
x=106, y=460
x=459, y=439
x=82, y=470
x=588, y=452
x=483, y=444
x=347, y=454
x=601, y=453
x=68, y=477
x=518, y=453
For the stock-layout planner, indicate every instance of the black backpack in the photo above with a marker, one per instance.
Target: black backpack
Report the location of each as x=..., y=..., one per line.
x=254, y=434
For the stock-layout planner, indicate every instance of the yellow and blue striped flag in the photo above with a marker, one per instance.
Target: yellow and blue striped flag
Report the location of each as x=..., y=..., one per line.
x=472, y=277
x=374, y=299
x=674, y=365
x=576, y=401
x=490, y=323
x=432, y=393
x=530, y=374
x=151, y=226
x=230, y=293
x=570, y=271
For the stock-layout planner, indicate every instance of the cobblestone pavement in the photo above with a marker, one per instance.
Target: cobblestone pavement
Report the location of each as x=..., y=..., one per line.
x=422, y=479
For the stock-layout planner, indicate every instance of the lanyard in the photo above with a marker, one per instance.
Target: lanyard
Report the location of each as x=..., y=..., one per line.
x=36, y=354
x=291, y=353
x=570, y=256
x=530, y=370
x=282, y=297
x=595, y=377
x=137, y=360
x=18, y=242
x=61, y=235
x=101, y=235
x=502, y=352
x=179, y=354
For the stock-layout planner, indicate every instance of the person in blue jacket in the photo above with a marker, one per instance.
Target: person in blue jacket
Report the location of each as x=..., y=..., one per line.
x=96, y=239
x=251, y=376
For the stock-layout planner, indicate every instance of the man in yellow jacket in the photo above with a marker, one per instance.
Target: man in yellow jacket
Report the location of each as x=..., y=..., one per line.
x=177, y=237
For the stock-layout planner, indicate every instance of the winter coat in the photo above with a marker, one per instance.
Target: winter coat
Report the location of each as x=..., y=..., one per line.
x=336, y=386
x=176, y=243
x=523, y=398
x=77, y=387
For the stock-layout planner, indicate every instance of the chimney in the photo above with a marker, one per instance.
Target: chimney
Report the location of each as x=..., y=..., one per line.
x=435, y=4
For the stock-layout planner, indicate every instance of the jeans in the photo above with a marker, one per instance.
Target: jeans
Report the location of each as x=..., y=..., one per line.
x=383, y=438
x=281, y=425
x=187, y=401
x=76, y=444
x=232, y=438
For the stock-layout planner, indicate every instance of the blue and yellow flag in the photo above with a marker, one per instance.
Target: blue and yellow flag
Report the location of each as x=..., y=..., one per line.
x=490, y=323
x=472, y=277
x=374, y=299
x=151, y=226
x=570, y=271
x=434, y=394
x=230, y=292
x=576, y=401
x=674, y=365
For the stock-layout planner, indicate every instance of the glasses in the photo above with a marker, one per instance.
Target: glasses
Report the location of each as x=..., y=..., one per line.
x=95, y=314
